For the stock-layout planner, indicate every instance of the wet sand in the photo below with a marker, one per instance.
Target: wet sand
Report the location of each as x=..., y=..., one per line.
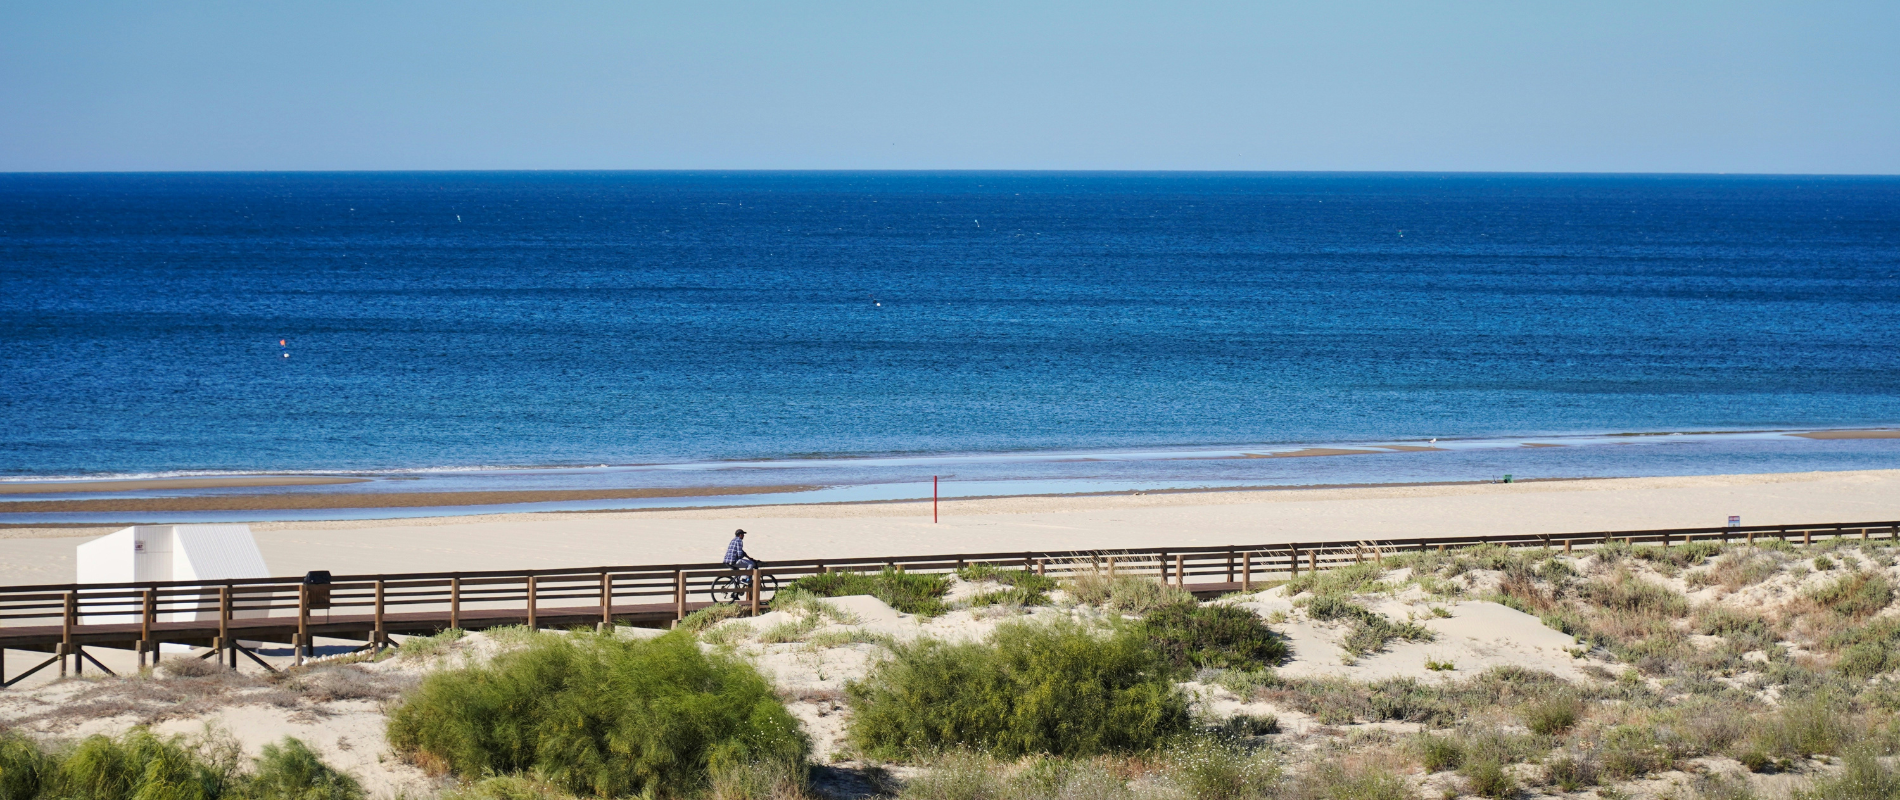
x=1014, y=524
x=156, y=484
x=277, y=501
x=1874, y=434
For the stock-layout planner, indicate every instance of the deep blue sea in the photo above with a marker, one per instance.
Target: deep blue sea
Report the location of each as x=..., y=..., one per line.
x=690, y=320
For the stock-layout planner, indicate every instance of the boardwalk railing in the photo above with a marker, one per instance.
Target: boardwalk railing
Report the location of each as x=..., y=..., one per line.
x=229, y=617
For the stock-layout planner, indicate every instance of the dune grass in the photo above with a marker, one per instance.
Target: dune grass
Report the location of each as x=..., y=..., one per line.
x=911, y=593
x=597, y=715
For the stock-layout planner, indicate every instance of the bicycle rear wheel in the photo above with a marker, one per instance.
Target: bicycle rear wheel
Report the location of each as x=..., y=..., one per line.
x=728, y=589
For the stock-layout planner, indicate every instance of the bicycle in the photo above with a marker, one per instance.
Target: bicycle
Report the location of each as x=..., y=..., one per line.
x=736, y=586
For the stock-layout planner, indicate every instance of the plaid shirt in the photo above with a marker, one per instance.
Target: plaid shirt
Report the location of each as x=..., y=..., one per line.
x=735, y=550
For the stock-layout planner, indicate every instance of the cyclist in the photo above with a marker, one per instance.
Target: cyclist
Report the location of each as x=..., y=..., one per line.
x=736, y=556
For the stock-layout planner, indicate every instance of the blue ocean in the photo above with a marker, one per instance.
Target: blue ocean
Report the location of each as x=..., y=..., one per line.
x=1015, y=332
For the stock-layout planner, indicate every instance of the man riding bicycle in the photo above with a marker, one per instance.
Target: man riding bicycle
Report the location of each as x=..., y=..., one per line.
x=736, y=556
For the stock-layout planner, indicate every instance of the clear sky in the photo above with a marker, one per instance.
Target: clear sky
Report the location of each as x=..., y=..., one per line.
x=1605, y=85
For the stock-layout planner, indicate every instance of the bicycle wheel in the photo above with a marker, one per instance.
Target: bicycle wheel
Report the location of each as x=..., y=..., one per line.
x=768, y=585
x=728, y=589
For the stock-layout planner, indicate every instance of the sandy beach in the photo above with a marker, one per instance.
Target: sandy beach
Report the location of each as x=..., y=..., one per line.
x=513, y=541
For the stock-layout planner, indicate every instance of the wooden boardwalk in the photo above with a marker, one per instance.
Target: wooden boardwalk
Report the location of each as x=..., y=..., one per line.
x=229, y=616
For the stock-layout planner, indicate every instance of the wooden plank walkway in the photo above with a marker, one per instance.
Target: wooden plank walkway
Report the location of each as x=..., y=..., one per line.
x=64, y=619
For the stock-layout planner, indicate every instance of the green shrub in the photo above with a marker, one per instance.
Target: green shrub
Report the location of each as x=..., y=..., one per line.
x=140, y=765
x=1551, y=715
x=1631, y=594
x=1570, y=772
x=597, y=715
x=143, y=766
x=911, y=593
x=1814, y=726
x=1869, y=649
x=24, y=770
x=1437, y=753
x=289, y=770
x=1218, y=636
x=1488, y=777
x=1855, y=595
x=1629, y=751
x=1058, y=689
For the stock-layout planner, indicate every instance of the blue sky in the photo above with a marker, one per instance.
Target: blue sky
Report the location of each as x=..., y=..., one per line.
x=1808, y=87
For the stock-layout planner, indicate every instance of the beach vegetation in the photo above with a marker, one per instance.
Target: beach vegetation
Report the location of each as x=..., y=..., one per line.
x=593, y=714
x=1370, y=631
x=911, y=593
x=1020, y=587
x=1032, y=688
x=141, y=765
x=1131, y=594
x=1213, y=636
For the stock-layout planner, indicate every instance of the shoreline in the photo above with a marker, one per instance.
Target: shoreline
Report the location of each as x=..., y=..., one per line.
x=162, y=484
x=193, y=479
x=289, y=501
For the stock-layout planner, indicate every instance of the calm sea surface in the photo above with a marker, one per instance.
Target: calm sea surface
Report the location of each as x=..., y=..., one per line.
x=450, y=320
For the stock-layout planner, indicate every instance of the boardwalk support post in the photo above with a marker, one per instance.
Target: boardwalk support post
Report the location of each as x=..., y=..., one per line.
x=67, y=620
x=679, y=595
x=380, y=636
x=1246, y=569
x=303, y=623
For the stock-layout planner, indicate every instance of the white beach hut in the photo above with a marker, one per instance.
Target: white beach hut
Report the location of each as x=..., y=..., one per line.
x=170, y=553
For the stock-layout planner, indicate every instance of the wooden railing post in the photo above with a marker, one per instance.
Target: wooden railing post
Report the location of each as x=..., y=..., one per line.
x=1807, y=538
x=1566, y=547
x=606, y=600
x=1161, y=562
x=534, y=618
x=455, y=601
x=1293, y=559
x=303, y=621
x=225, y=647
x=1246, y=570
x=1312, y=560
x=381, y=633
x=1111, y=566
x=148, y=614
x=1180, y=570
x=679, y=595
x=753, y=590
x=68, y=619
x=1230, y=564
